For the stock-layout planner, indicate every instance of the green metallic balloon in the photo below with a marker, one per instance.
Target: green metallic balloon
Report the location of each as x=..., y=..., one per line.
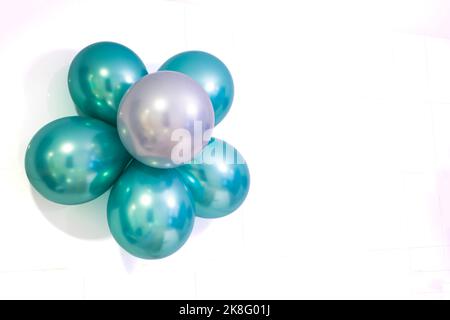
x=100, y=75
x=218, y=178
x=150, y=211
x=211, y=73
x=75, y=159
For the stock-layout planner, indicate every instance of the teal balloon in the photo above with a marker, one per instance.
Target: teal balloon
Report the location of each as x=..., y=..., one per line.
x=218, y=178
x=100, y=75
x=211, y=73
x=150, y=211
x=75, y=159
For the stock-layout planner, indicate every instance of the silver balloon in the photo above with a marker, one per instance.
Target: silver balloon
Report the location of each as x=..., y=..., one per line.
x=165, y=119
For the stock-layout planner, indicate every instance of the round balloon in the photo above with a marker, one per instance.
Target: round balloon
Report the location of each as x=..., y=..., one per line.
x=100, y=75
x=150, y=211
x=211, y=73
x=75, y=159
x=165, y=119
x=218, y=178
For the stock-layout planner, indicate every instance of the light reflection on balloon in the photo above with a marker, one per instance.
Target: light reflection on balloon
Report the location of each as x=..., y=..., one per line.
x=162, y=113
x=100, y=75
x=150, y=211
x=218, y=178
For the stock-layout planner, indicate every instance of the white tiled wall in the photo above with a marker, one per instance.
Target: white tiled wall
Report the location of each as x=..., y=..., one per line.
x=342, y=111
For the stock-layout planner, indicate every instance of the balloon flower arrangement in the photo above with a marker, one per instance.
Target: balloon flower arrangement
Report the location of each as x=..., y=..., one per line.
x=149, y=137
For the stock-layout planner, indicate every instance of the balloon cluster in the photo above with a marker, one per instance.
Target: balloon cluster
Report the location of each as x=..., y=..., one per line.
x=148, y=136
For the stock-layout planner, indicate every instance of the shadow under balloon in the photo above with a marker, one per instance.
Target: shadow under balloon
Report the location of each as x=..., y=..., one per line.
x=46, y=86
x=47, y=94
x=200, y=225
x=83, y=221
x=48, y=98
x=130, y=262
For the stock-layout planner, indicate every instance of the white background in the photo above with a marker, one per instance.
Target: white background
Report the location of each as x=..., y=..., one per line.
x=342, y=111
